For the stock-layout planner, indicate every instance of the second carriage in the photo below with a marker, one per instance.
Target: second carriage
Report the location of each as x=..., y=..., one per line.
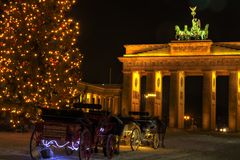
x=141, y=129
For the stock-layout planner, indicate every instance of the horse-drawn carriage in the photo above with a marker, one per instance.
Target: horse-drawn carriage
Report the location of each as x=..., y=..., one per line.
x=82, y=128
x=142, y=129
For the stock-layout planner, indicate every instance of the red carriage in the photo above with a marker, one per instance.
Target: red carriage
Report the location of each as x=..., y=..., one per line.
x=59, y=129
x=76, y=130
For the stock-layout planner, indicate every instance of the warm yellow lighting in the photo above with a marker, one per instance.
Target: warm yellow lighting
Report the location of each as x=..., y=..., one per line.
x=158, y=81
x=214, y=81
x=136, y=81
x=224, y=129
x=22, y=35
x=187, y=117
x=88, y=97
x=149, y=95
x=238, y=81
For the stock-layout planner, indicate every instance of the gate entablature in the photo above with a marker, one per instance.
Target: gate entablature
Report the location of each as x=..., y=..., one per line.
x=162, y=50
x=191, y=47
x=182, y=55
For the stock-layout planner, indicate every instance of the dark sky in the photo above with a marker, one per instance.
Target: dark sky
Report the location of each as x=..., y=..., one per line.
x=106, y=25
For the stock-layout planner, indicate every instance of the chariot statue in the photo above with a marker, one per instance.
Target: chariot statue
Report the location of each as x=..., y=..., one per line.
x=195, y=32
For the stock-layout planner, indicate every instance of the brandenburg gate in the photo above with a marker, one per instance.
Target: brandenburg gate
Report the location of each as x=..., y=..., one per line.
x=178, y=59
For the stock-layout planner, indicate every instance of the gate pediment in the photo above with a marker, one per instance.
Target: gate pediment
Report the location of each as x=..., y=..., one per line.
x=190, y=47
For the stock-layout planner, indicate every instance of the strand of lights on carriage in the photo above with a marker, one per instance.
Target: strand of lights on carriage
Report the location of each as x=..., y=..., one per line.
x=55, y=144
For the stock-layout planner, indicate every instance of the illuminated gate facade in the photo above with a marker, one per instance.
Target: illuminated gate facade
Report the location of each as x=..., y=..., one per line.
x=179, y=59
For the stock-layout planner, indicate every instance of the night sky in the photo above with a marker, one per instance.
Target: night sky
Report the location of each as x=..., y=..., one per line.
x=106, y=25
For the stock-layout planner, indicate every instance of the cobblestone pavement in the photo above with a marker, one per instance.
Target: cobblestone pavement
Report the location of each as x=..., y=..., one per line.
x=179, y=145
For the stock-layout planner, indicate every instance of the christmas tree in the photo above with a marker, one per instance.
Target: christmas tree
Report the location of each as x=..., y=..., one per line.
x=39, y=61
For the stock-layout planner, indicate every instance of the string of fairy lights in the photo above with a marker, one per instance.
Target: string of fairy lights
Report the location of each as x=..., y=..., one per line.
x=39, y=62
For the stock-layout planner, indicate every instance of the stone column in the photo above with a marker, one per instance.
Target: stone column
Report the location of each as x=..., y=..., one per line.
x=110, y=104
x=135, y=92
x=209, y=100
x=150, y=89
x=177, y=98
x=99, y=99
x=234, y=101
x=89, y=98
x=126, y=93
x=107, y=106
x=238, y=103
x=94, y=96
x=158, y=98
x=115, y=107
x=102, y=101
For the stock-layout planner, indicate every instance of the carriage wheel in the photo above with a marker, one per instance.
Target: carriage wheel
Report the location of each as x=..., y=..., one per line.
x=135, y=139
x=125, y=135
x=35, y=146
x=156, y=141
x=111, y=147
x=85, y=145
x=117, y=151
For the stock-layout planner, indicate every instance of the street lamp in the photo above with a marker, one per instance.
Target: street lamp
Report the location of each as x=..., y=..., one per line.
x=149, y=95
x=186, y=117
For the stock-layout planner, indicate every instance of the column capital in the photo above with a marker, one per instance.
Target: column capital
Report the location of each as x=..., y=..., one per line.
x=165, y=73
x=149, y=70
x=233, y=71
x=208, y=71
x=126, y=72
x=176, y=71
